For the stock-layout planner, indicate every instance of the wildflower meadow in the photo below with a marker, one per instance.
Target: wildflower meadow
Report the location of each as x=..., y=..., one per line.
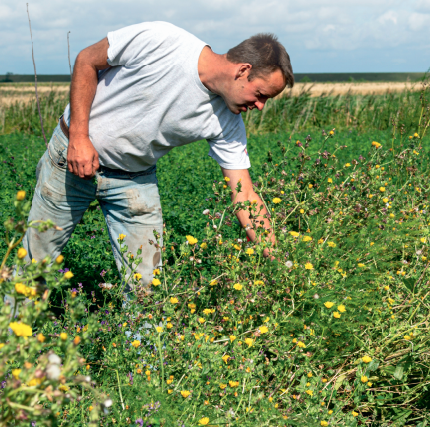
x=331, y=330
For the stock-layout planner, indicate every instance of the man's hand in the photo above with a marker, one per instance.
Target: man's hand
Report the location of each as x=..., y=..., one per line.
x=82, y=158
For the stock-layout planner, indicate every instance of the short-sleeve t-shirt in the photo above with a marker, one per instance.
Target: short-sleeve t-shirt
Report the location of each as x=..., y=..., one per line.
x=151, y=100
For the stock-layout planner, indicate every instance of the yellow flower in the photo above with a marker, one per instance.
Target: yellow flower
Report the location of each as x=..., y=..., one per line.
x=135, y=343
x=354, y=414
x=59, y=259
x=324, y=423
x=233, y=384
x=416, y=135
x=20, y=196
x=237, y=247
x=249, y=251
x=294, y=233
x=249, y=342
x=310, y=186
x=225, y=358
x=90, y=408
x=307, y=238
x=309, y=374
x=376, y=144
x=341, y=308
x=40, y=338
x=15, y=373
x=423, y=240
x=336, y=314
x=310, y=392
x=263, y=329
x=232, y=338
x=331, y=244
x=20, y=288
x=302, y=211
x=204, y=245
x=191, y=240
x=156, y=282
x=348, y=165
x=309, y=266
x=222, y=386
x=385, y=200
x=301, y=344
x=237, y=286
x=369, y=384
x=407, y=337
x=21, y=253
x=68, y=275
x=202, y=320
x=122, y=237
x=63, y=336
x=185, y=393
x=213, y=283
x=330, y=180
x=366, y=359
x=137, y=276
x=159, y=329
x=204, y=421
x=226, y=179
x=381, y=189
x=329, y=304
x=21, y=329
x=35, y=382
x=276, y=200
x=174, y=300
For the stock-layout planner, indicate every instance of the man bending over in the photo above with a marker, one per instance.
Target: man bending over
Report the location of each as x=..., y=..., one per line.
x=135, y=95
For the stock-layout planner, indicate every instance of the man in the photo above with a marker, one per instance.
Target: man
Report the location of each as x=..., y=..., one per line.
x=135, y=95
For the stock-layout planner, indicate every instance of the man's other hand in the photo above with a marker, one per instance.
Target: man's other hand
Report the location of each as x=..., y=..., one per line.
x=82, y=158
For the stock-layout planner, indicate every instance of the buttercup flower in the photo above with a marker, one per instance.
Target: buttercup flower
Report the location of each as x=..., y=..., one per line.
x=191, y=240
x=122, y=237
x=263, y=329
x=249, y=251
x=20, y=196
x=185, y=393
x=21, y=329
x=137, y=276
x=204, y=421
x=276, y=200
x=336, y=314
x=366, y=359
x=174, y=300
x=21, y=253
x=225, y=358
x=159, y=329
x=341, y=308
x=309, y=266
x=364, y=379
x=237, y=286
x=249, y=342
x=329, y=304
x=156, y=282
x=68, y=275
x=135, y=343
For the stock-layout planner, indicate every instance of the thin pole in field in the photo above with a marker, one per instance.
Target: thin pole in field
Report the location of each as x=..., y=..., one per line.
x=68, y=49
x=35, y=79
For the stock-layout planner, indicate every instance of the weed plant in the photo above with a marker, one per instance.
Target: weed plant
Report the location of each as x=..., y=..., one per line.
x=332, y=331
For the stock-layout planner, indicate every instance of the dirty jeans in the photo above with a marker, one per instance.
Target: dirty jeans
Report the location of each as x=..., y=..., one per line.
x=129, y=200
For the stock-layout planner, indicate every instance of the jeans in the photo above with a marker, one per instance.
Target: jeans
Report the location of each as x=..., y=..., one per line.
x=129, y=200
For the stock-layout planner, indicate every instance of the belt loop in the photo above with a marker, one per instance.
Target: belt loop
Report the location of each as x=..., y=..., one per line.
x=64, y=127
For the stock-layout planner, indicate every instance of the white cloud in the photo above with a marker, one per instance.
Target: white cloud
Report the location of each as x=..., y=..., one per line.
x=311, y=30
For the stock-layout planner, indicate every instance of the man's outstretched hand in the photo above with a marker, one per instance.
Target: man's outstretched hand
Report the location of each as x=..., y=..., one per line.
x=82, y=158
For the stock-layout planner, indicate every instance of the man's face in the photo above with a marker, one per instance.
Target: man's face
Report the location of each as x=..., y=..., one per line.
x=243, y=94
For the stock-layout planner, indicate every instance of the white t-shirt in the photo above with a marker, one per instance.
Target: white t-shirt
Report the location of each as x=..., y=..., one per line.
x=151, y=100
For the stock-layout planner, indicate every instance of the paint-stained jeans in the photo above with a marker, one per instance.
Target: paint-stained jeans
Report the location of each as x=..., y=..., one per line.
x=130, y=203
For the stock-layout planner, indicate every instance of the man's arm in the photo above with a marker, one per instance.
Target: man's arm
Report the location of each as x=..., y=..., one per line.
x=82, y=158
x=248, y=193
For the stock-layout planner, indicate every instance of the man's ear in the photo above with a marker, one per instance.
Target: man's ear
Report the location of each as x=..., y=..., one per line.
x=243, y=70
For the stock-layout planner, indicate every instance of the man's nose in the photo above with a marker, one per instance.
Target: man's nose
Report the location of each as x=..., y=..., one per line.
x=260, y=104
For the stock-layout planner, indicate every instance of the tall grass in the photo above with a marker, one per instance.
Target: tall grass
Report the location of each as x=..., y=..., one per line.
x=287, y=114
x=360, y=112
x=23, y=116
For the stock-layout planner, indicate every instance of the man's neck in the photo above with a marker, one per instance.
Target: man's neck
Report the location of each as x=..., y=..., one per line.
x=213, y=70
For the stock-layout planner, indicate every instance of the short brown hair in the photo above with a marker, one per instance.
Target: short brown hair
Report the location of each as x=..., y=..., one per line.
x=266, y=55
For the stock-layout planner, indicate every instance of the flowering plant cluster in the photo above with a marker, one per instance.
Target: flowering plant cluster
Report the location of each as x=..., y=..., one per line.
x=330, y=329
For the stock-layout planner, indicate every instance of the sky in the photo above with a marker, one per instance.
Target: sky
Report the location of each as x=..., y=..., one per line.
x=320, y=36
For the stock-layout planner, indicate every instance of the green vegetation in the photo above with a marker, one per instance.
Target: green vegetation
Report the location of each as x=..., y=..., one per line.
x=333, y=331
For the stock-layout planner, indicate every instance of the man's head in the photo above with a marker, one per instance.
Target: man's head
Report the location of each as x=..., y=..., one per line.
x=261, y=68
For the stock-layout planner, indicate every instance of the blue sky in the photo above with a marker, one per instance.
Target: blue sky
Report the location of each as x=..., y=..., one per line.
x=320, y=36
